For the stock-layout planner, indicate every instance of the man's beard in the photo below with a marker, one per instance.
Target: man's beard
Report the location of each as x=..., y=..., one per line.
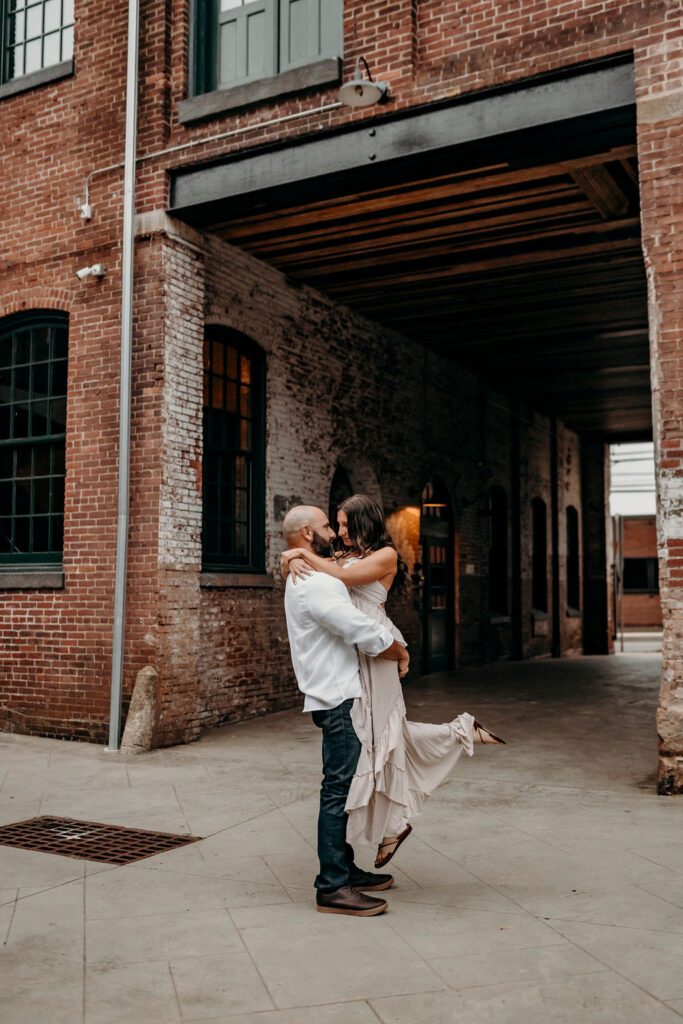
x=321, y=546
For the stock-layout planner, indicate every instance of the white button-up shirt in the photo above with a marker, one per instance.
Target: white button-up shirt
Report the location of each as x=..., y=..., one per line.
x=324, y=630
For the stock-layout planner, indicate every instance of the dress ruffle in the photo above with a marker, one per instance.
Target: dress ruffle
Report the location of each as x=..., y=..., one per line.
x=401, y=762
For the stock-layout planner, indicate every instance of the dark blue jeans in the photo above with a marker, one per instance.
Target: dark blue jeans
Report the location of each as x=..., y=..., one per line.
x=341, y=750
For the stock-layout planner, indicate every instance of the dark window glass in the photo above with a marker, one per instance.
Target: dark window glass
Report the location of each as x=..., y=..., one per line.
x=498, y=551
x=641, y=575
x=573, y=569
x=234, y=453
x=36, y=34
x=33, y=349
x=539, y=555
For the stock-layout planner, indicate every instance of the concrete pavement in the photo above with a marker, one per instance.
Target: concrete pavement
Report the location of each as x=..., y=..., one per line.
x=544, y=882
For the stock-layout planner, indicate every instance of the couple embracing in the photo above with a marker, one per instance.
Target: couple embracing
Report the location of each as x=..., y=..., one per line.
x=349, y=658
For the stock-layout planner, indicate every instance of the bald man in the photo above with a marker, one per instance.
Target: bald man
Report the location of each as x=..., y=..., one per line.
x=324, y=631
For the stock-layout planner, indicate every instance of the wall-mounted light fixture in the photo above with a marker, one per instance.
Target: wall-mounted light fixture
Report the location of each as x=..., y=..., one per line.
x=361, y=92
x=97, y=270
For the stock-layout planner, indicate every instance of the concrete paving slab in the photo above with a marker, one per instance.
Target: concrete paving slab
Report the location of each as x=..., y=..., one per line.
x=432, y=930
x=40, y=991
x=341, y=958
x=601, y=998
x=48, y=926
x=186, y=934
x=340, y=1013
x=30, y=869
x=212, y=986
x=134, y=891
x=514, y=966
x=621, y=906
x=135, y=993
x=649, y=959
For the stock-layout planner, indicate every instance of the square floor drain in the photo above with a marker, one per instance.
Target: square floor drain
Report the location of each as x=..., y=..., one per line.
x=110, y=844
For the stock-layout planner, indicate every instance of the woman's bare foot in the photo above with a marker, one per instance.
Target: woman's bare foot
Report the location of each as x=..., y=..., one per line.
x=388, y=847
x=482, y=735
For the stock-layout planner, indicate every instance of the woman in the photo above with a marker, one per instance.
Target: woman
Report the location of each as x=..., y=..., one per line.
x=401, y=762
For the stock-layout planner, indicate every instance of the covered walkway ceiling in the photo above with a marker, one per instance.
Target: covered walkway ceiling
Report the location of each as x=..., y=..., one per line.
x=517, y=254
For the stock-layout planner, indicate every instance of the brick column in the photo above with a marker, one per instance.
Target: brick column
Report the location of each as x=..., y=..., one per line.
x=660, y=147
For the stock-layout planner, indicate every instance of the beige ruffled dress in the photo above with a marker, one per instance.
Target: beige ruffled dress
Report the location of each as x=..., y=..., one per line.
x=401, y=762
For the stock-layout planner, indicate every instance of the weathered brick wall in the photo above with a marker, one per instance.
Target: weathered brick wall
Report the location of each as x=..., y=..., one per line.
x=56, y=645
x=339, y=390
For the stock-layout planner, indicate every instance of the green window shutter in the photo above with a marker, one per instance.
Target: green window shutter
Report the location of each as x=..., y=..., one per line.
x=309, y=31
x=247, y=42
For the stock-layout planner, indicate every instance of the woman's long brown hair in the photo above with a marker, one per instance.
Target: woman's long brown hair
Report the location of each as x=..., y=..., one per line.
x=367, y=532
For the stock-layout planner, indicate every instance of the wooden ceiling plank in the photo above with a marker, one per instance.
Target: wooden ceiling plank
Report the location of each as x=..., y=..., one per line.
x=602, y=190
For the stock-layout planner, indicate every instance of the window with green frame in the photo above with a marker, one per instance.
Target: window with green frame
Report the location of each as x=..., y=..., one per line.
x=33, y=375
x=233, y=523
x=35, y=35
x=239, y=41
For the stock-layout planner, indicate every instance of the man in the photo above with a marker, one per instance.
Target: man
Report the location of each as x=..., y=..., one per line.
x=324, y=630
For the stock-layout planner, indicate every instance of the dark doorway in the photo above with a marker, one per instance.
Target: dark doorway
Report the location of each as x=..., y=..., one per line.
x=436, y=538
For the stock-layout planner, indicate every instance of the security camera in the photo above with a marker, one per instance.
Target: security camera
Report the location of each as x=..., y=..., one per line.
x=97, y=270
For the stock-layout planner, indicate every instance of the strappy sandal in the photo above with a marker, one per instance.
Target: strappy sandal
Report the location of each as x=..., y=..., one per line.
x=482, y=735
x=381, y=860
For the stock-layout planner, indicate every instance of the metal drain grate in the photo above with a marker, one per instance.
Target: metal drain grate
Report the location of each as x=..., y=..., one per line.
x=111, y=844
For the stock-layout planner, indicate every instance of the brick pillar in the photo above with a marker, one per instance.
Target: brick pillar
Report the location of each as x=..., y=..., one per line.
x=594, y=492
x=660, y=150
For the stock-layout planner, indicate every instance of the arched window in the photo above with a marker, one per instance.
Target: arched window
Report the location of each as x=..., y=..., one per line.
x=539, y=555
x=573, y=572
x=498, y=551
x=234, y=453
x=33, y=377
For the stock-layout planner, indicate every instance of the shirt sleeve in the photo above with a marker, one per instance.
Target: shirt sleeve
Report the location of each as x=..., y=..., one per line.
x=329, y=605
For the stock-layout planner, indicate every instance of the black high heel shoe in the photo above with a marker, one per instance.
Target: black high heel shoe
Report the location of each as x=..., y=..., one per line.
x=482, y=735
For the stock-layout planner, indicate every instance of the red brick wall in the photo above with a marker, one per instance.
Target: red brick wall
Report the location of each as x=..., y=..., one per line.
x=56, y=645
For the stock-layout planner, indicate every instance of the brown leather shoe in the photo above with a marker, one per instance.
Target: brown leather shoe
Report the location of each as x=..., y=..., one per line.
x=369, y=881
x=349, y=901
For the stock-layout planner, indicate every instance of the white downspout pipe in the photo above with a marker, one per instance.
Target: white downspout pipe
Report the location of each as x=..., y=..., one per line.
x=128, y=242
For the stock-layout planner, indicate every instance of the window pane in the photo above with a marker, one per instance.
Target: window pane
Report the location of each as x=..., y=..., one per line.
x=34, y=21
x=227, y=5
x=217, y=357
x=15, y=62
x=41, y=533
x=16, y=28
x=59, y=378
x=22, y=498
x=22, y=534
x=6, y=462
x=57, y=494
x=20, y=421
x=5, y=384
x=52, y=15
x=67, y=44
x=6, y=348
x=5, y=535
x=39, y=421
x=41, y=495
x=232, y=363
x=228, y=68
x=40, y=344
x=256, y=44
x=57, y=536
x=68, y=12
x=58, y=416
x=51, y=50
x=40, y=380
x=32, y=57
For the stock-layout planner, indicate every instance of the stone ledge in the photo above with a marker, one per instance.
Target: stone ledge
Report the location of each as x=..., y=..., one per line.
x=28, y=580
x=573, y=613
x=235, y=579
x=223, y=101
x=37, y=78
